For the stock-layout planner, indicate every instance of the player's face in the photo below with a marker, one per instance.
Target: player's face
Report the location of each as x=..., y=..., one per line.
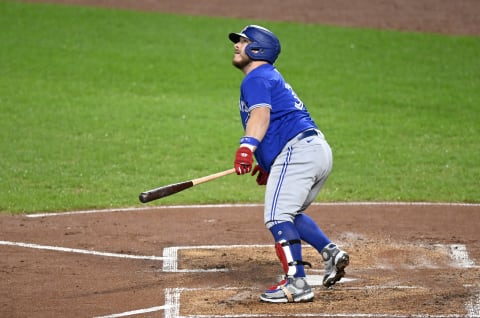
x=240, y=58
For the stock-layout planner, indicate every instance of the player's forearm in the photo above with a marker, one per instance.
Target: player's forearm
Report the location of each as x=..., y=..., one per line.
x=256, y=127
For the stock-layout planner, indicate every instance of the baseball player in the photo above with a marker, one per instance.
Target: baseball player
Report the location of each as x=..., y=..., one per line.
x=293, y=161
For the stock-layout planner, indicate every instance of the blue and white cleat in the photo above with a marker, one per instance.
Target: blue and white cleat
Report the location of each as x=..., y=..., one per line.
x=335, y=261
x=289, y=290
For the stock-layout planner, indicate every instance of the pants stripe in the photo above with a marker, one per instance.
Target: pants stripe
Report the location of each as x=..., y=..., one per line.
x=279, y=184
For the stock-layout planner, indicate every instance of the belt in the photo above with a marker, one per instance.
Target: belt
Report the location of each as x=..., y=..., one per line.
x=307, y=133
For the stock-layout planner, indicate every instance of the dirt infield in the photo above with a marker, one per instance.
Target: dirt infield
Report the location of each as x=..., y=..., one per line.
x=214, y=261
x=407, y=260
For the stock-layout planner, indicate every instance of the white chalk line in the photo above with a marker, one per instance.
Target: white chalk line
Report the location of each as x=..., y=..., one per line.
x=139, y=209
x=81, y=251
x=460, y=256
x=135, y=312
x=473, y=306
x=214, y=206
x=324, y=315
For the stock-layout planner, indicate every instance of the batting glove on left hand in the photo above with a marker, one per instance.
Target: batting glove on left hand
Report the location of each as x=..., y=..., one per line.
x=243, y=160
x=262, y=177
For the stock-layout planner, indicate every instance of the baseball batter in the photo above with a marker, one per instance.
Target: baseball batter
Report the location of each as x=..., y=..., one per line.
x=293, y=160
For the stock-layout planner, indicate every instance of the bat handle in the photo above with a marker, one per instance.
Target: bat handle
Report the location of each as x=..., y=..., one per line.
x=213, y=176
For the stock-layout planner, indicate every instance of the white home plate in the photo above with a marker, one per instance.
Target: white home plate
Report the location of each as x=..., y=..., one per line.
x=317, y=280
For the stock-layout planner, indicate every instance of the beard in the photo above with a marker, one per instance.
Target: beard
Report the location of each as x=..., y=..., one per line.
x=241, y=63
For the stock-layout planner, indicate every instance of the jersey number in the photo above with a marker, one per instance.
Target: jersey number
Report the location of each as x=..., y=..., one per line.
x=298, y=102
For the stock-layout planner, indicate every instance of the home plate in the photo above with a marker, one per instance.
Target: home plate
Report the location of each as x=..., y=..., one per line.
x=317, y=280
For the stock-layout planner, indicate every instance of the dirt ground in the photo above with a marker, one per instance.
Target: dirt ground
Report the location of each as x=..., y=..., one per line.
x=436, y=16
x=214, y=261
x=407, y=260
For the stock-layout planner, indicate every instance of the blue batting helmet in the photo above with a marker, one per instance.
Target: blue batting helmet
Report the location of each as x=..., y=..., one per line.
x=265, y=45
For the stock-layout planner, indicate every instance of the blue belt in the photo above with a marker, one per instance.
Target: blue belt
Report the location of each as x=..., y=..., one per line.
x=307, y=133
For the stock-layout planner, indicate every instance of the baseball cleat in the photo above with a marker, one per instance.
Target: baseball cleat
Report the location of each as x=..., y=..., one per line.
x=289, y=290
x=335, y=261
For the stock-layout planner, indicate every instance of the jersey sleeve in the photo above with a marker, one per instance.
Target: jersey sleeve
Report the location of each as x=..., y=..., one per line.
x=257, y=92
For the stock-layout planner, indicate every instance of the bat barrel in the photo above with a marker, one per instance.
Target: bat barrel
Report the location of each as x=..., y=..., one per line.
x=162, y=192
x=143, y=197
x=170, y=189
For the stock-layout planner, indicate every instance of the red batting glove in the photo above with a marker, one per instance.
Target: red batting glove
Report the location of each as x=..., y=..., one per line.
x=262, y=177
x=243, y=160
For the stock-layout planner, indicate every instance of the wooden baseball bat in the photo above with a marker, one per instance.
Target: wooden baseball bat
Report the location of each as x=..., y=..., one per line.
x=167, y=190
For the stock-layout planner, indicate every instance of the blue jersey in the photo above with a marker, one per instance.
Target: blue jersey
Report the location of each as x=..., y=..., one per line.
x=265, y=87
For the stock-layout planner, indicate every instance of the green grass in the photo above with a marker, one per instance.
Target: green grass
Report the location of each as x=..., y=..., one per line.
x=98, y=105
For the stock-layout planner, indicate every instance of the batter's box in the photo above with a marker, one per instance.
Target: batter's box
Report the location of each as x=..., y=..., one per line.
x=361, y=302
x=384, y=279
x=364, y=255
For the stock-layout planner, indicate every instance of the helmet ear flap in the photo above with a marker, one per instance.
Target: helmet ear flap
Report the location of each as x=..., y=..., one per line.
x=253, y=51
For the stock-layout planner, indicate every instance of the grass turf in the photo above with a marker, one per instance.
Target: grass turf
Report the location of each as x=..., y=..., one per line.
x=98, y=105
